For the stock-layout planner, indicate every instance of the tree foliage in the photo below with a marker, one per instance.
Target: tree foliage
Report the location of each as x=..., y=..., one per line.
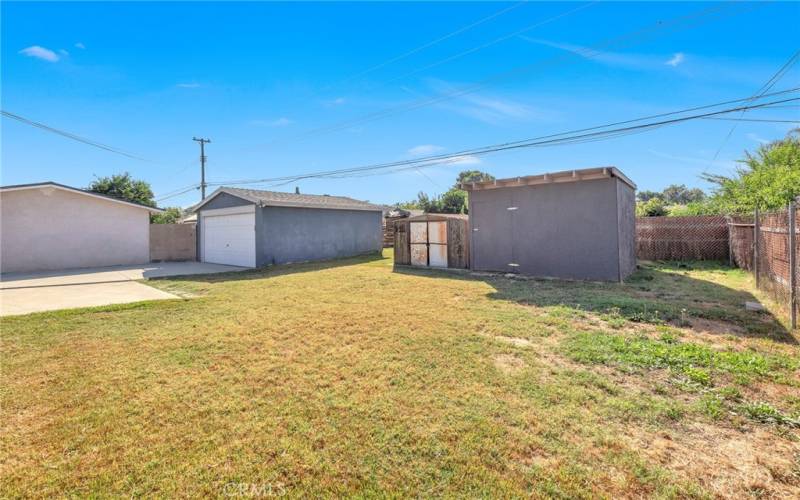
x=768, y=179
x=124, y=187
x=468, y=176
x=654, y=207
x=453, y=201
x=170, y=215
x=674, y=194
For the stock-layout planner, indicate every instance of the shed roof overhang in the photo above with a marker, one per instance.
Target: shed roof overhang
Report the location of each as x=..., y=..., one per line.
x=550, y=178
x=55, y=185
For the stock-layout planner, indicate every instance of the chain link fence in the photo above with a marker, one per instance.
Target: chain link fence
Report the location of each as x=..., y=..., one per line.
x=767, y=244
x=682, y=238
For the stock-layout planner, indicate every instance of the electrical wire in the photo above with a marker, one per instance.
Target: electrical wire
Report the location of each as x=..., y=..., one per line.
x=574, y=137
x=761, y=91
x=626, y=40
x=487, y=44
x=71, y=136
x=431, y=43
x=765, y=120
x=608, y=125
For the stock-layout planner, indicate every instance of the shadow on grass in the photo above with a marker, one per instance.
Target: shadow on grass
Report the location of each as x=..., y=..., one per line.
x=655, y=294
x=278, y=270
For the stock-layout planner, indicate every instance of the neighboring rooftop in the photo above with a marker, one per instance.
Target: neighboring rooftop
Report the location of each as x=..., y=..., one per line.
x=279, y=199
x=55, y=185
x=547, y=178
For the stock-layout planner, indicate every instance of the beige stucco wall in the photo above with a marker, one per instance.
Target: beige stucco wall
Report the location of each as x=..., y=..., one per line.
x=47, y=229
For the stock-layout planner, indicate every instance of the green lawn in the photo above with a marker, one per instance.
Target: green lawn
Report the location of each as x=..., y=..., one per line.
x=350, y=378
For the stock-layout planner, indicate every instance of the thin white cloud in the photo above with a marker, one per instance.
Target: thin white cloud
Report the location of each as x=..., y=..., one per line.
x=279, y=122
x=758, y=139
x=63, y=52
x=40, y=53
x=188, y=85
x=80, y=45
x=609, y=58
x=425, y=149
x=676, y=59
x=465, y=160
x=492, y=110
x=335, y=102
x=702, y=162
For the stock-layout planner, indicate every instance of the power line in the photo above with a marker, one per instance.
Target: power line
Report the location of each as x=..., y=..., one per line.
x=765, y=120
x=432, y=43
x=177, y=192
x=761, y=91
x=488, y=44
x=624, y=40
x=72, y=136
x=456, y=157
x=571, y=137
x=608, y=125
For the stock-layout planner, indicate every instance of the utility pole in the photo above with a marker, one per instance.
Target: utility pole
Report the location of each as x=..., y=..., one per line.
x=202, y=165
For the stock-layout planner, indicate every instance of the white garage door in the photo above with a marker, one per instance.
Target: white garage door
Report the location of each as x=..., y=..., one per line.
x=230, y=238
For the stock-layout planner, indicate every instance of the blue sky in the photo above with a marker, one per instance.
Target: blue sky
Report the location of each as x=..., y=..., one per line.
x=257, y=77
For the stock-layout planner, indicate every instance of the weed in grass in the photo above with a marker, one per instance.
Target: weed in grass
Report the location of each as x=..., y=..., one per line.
x=712, y=406
x=768, y=414
x=692, y=360
x=697, y=376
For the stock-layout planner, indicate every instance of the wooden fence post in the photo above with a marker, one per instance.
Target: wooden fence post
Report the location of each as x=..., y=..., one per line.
x=792, y=266
x=755, y=245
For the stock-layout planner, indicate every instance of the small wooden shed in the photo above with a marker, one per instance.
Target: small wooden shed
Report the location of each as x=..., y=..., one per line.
x=432, y=240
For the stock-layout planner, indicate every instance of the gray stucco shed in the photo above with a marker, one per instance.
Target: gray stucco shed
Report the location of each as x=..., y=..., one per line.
x=576, y=224
x=258, y=228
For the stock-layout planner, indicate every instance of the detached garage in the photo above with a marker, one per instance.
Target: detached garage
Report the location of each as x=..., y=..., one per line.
x=578, y=224
x=254, y=228
x=49, y=226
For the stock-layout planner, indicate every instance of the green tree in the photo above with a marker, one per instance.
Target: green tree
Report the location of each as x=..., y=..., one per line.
x=679, y=194
x=468, y=176
x=654, y=207
x=454, y=201
x=170, y=215
x=124, y=187
x=647, y=195
x=768, y=179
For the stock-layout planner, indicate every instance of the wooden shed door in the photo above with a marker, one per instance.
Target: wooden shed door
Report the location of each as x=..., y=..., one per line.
x=437, y=244
x=429, y=244
x=419, y=243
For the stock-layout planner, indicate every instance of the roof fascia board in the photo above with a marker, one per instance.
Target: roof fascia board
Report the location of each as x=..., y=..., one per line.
x=79, y=191
x=290, y=204
x=550, y=178
x=218, y=192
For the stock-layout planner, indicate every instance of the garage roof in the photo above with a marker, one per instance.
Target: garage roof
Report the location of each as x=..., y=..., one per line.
x=55, y=185
x=278, y=199
x=563, y=176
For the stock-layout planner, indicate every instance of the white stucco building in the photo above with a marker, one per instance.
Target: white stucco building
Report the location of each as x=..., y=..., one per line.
x=49, y=226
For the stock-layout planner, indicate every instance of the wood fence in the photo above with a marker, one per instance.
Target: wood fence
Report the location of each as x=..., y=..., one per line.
x=176, y=242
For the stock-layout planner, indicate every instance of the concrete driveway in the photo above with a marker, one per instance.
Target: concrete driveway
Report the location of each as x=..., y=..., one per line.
x=49, y=291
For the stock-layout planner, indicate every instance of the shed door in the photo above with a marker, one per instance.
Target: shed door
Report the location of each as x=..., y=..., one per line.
x=492, y=235
x=419, y=243
x=437, y=244
x=229, y=238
